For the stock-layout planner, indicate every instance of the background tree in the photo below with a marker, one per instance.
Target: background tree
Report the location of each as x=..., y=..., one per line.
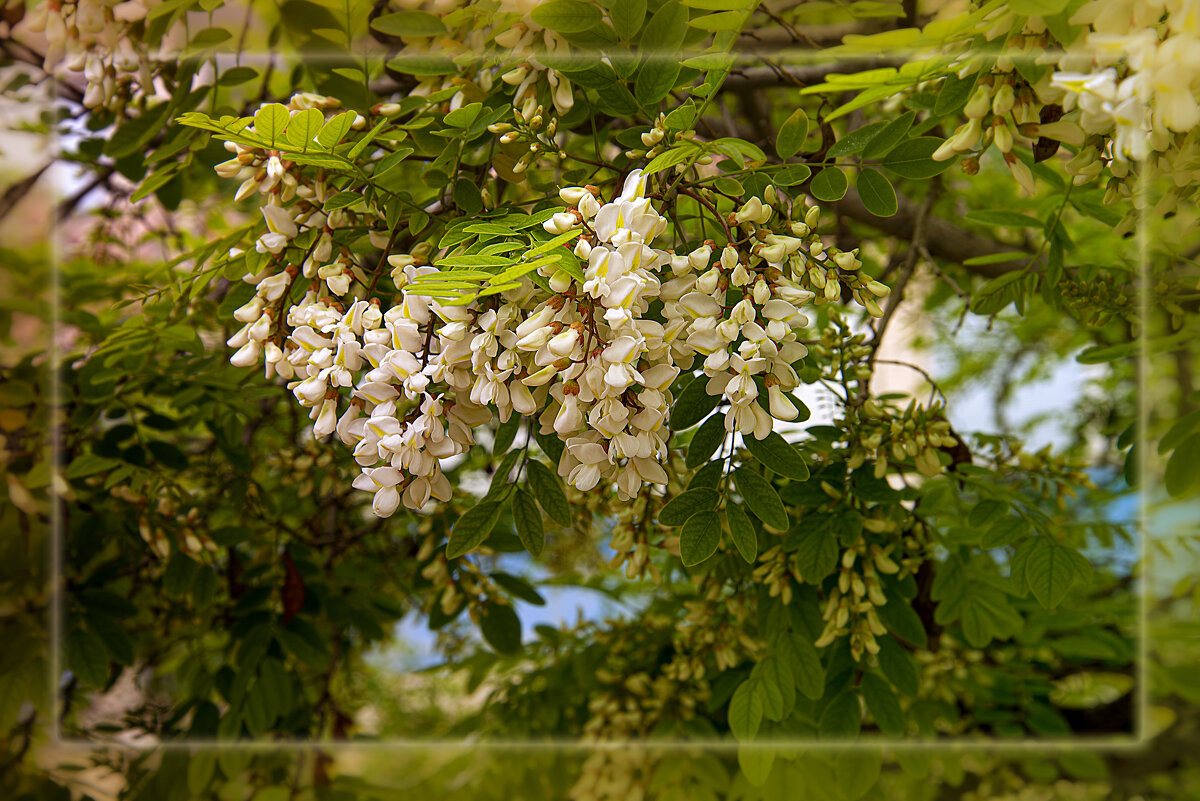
x=546, y=281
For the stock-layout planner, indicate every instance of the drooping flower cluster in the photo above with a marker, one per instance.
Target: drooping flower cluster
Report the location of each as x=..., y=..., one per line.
x=404, y=386
x=95, y=38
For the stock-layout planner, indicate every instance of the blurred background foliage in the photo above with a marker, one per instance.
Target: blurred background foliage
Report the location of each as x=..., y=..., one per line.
x=221, y=581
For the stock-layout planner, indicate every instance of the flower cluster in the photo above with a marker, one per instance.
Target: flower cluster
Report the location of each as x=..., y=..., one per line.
x=851, y=606
x=585, y=360
x=95, y=38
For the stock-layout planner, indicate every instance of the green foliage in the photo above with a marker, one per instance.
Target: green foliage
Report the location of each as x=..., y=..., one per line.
x=866, y=577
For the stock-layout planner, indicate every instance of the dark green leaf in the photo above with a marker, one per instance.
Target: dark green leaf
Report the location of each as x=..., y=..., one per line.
x=877, y=193
x=898, y=666
x=87, y=657
x=467, y=196
x=882, y=703
x=741, y=531
x=842, y=717
x=829, y=184
x=706, y=441
x=816, y=550
x=501, y=627
x=913, y=158
x=1183, y=466
x=857, y=771
x=627, y=18
x=856, y=140
x=889, y=136
x=746, y=711
x=655, y=79
x=473, y=528
x=548, y=490
x=692, y=405
x=1052, y=570
x=119, y=646
x=665, y=31
x=762, y=498
x=699, y=537
x=686, y=504
x=792, y=134
x=900, y=618
x=779, y=455
x=527, y=519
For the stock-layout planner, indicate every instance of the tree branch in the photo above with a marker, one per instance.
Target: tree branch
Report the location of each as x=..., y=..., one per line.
x=943, y=238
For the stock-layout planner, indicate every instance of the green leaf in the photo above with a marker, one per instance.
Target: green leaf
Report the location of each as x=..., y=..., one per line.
x=913, y=158
x=841, y=718
x=883, y=704
x=627, y=18
x=816, y=551
x=528, y=521
x=877, y=193
x=501, y=627
x=1052, y=570
x=303, y=128
x=720, y=21
x=235, y=76
x=518, y=588
x=856, y=140
x=87, y=657
x=179, y=573
x=655, y=79
x=746, y=711
x=792, y=134
x=791, y=175
x=805, y=665
x=857, y=772
x=705, y=441
x=741, y=531
x=693, y=405
x=463, y=116
x=409, y=23
x=954, y=93
x=209, y=37
x=699, y=537
x=467, y=196
x=889, y=136
x=548, y=491
x=756, y=763
x=115, y=640
x=898, y=666
x=337, y=127
x=665, y=31
x=678, y=154
x=423, y=64
x=683, y=506
x=89, y=464
x=270, y=121
x=778, y=687
x=829, y=184
x=473, y=528
x=902, y=620
x=566, y=16
x=762, y=498
x=1183, y=467
x=777, y=454
x=201, y=767
x=342, y=200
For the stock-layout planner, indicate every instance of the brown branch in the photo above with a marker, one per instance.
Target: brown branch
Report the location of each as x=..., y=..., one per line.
x=17, y=192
